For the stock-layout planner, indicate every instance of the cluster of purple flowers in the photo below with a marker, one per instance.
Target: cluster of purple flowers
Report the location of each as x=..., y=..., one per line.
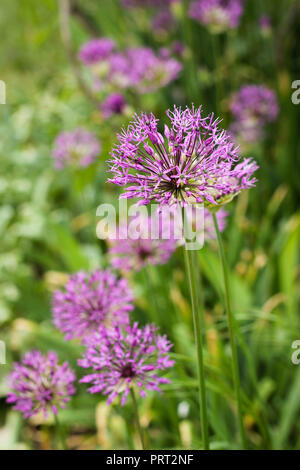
x=126, y=357
x=138, y=68
x=77, y=148
x=253, y=106
x=193, y=162
x=218, y=15
x=95, y=308
x=40, y=384
x=91, y=300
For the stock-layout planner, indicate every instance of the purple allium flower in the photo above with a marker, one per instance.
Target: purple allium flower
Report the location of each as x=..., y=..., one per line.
x=123, y=358
x=96, y=50
x=147, y=245
x=146, y=3
x=163, y=20
x=114, y=104
x=265, y=23
x=142, y=69
x=39, y=383
x=253, y=106
x=219, y=15
x=194, y=162
x=90, y=300
x=178, y=48
x=79, y=148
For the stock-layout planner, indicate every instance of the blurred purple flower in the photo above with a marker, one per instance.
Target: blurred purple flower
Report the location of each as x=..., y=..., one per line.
x=114, y=104
x=134, y=252
x=96, y=50
x=193, y=162
x=79, y=148
x=91, y=300
x=146, y=3
x=253, y=106
x=265, y=22
x=141, y=69
x=255, y=101
x=178, y=48
x=39, y=383
x=219, y=15
x=123, y=358
x=163, y=20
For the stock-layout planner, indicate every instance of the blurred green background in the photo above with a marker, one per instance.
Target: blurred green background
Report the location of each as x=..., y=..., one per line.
x=48, y=221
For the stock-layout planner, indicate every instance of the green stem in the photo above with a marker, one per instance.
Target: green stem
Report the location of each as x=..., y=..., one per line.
x=137, y=419
x=230, y=317
x=190, y=268
x=200, y=293
x=152, y=293
x=59, y=432
x=217, y=66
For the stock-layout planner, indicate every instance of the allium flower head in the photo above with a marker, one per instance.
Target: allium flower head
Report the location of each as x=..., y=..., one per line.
x=253, y=106
x=265, y=23
x=193, y=162
x=75, y=148
x=163, y=20
x=146, y=246
x=122, y=358
x=142, y=69
x=96, y=50
x=91, y=300
x=39, y=383
x=255, y=102
x=114, y=104
x=219, y=15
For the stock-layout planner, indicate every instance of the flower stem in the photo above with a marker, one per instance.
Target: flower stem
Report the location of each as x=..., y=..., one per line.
x=190, y=268
x=137, y=418
x=59, y=432
x=235, y=366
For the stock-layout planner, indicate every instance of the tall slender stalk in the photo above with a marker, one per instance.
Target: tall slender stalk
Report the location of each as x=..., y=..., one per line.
x=137, y=418
x=199, y=293
x=230, y=317
x=60, y=433
x=190, y=269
